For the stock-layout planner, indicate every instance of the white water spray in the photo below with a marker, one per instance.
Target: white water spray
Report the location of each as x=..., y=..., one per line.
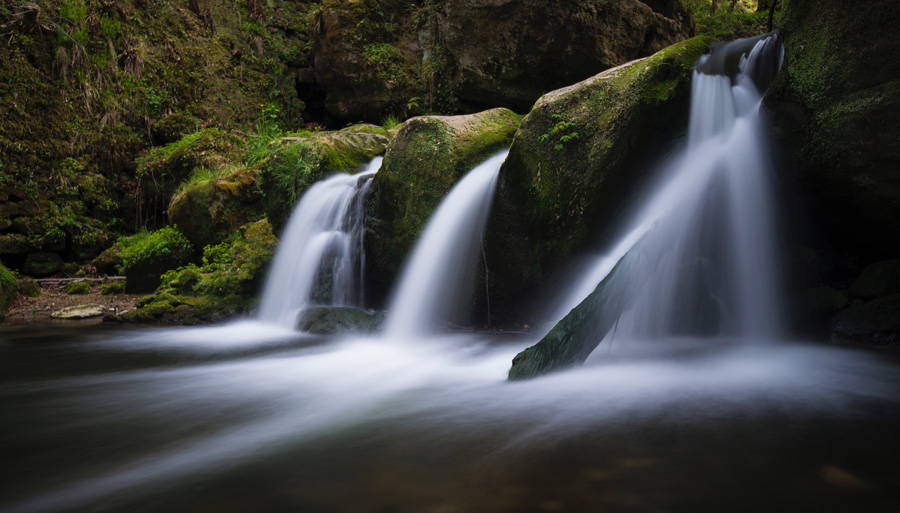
x=320, y=258
x=709, y=229
x=435, y=277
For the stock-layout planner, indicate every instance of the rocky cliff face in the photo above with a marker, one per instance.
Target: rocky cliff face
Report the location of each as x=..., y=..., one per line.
x=835, y=110
x=451, y=55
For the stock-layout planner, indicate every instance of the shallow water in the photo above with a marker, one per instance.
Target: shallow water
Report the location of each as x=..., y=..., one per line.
x=249, y=418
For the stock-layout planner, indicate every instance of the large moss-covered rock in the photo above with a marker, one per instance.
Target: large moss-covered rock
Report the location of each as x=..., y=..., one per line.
x=423, y=162
x=509, y=53
x=227, y=284
x=207, y=211
x=329, y=320
x=291, y=164
x=146, y=256
x=8, y=289
x=836, y=111
x=577, y=155
x=163, y=168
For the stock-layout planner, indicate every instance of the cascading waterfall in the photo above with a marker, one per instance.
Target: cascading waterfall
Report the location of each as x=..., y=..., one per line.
x=706, y=236
x=437, y=275
x=320, y=257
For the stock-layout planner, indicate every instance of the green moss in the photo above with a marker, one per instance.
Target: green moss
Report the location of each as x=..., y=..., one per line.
x=146, y=256
x=226, y=284
x=29, y=287
x=78, y=287
x=112, y=288
x=8, y=289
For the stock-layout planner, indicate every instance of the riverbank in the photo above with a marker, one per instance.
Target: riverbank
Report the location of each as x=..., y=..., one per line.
x=54, y=298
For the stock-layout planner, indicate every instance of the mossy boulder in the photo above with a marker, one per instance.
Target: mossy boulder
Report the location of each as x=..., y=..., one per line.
x=78, y=287
x=329, y=320
x=109, y=262
x=288, y=166
x=835, y=108
x=423, y=162
x=29, y=287
x=208, y=211
x=8, y=288
x=163, y=168
x=146, y=256
x=113, y=287
x=575, y=160
x=225, y=285
x=510, y=53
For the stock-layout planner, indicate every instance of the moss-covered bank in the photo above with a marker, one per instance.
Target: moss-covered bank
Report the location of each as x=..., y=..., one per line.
x=226, y=284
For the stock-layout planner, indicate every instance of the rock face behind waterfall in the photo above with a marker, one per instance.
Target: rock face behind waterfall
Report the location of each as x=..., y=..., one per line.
x=576, y=155
x=511, y=52
x=469, y=55
x=836, y=108
x=423, y=162
x=835, y=111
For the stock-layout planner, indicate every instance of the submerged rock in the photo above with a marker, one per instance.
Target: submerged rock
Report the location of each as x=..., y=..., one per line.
x=576, y=160
x=329, y=320
x=78, y=312
x=574, y=337
x=426, y=158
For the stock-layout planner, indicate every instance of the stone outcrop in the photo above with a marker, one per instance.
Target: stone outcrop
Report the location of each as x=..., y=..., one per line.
x=397, y=57
x=426, y=158
x=509, y=53
x=577, y=156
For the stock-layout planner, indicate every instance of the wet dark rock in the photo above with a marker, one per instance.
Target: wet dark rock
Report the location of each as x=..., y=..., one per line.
x=42, y=264
x=330, y=320
x=877, y=321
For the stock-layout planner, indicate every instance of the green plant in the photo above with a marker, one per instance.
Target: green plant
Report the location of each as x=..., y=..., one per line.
x=559, y=129
x=152, y=246
x=391, y=122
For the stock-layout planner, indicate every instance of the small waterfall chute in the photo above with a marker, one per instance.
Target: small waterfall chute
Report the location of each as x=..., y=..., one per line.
x=320, y=257
x=438, y=274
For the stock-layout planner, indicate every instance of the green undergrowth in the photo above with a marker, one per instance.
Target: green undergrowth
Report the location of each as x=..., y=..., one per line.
x=226, y=283
x=728, y=21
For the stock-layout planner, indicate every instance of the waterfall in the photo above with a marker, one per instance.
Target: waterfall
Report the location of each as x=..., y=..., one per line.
x=438, y=274
x=706, y=235
x=320, y=257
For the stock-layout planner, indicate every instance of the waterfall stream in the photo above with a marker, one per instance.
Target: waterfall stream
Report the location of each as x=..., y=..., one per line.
x=707, y=234
x=438, y=274
x=320, y=259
